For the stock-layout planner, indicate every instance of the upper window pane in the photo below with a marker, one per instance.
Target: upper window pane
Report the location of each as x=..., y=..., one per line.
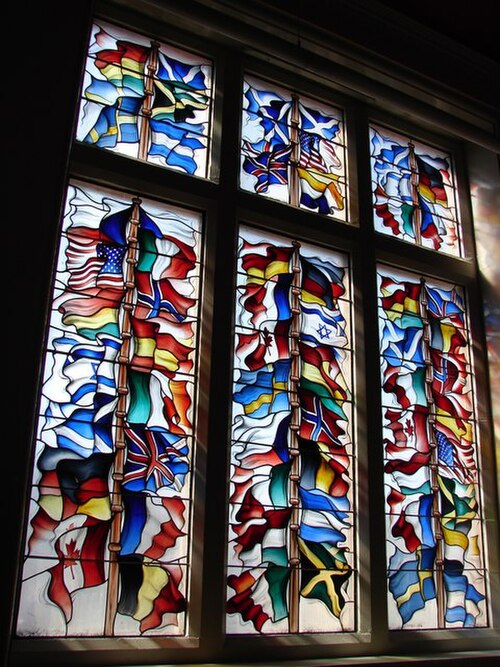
x=146, y=100
x=293, y=149
x=414, y=196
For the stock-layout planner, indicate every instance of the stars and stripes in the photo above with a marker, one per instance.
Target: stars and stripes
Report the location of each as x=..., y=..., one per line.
x=317, y=153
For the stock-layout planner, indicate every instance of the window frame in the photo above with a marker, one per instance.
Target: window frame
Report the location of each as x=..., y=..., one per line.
x=224, y=206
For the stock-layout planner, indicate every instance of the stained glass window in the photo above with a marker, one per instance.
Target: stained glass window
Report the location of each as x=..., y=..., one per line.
x=414, y=192
x=146, y=100
x=108, y=543
x=291, y=522
x=436, y=570
x=293, y=149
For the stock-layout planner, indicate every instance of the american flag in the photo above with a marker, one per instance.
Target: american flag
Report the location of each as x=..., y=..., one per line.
x=82, y=261
x=111, y=272
x=450, y=459
x=317, y=153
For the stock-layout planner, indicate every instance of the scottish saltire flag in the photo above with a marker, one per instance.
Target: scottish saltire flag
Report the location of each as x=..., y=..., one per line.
x=271, y=150
x=123, y=323
x=413, y=192
x=146, y=100
x=291, y=399
x=434, y=548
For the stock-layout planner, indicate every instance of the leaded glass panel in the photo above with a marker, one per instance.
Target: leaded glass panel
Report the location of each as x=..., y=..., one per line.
x=435, y=551
x=291, y=507
x=414, y=192
x=108, y=543
x=146, y=100
x=293, y=149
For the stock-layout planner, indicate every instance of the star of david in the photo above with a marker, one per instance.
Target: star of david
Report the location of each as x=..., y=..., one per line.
x=324, y=331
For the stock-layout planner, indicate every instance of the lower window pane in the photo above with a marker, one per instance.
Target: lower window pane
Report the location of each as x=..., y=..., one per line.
x=435, y=555
x=291, y=516
x=108, y=536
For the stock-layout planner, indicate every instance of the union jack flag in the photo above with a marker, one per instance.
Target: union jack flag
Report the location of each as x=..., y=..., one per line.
x=155, y=459
x=268, y=162
x=445, y=303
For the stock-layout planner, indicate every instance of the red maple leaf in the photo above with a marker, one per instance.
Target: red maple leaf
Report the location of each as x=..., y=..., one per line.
x=71, y=556
x=409, y=427
x=268, y=337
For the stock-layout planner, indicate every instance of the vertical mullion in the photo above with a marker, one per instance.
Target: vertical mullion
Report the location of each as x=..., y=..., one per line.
x=222, y=250
x=370, y=467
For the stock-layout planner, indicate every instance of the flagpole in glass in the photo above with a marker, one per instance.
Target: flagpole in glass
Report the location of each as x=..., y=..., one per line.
x=148, y=101
x=294, y=476
x=114, y=546
x=294, y=155
x=124, y=359
x=417, y=213
x=433, y=464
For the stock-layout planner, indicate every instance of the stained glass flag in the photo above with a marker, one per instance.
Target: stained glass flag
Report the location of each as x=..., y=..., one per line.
x=146, y=100
x=434, y=521
x=291, y=513
x=414, y=195
x=108, y=543
x=292, y=149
